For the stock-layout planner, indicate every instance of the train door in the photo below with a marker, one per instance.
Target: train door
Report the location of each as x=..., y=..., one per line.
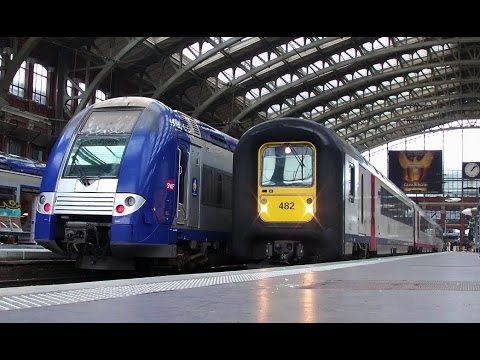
x=416, y=232
x=28, y=197
x=192, y=187
x=351, y=201
x=182, y=170
x=32, y=221
x=373, y=195
x=362, y=203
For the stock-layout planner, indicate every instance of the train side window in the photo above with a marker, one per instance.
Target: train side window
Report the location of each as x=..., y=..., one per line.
x=8, y=193
x=351, y=195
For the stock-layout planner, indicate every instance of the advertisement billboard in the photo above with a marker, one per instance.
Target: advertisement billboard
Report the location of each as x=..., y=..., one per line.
x=416, y=171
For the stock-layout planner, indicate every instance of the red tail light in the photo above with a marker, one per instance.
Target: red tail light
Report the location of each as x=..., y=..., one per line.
x=47, y=207
x=120, y=208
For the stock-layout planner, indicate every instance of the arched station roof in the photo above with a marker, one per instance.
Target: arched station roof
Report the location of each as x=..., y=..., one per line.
x=370, y=90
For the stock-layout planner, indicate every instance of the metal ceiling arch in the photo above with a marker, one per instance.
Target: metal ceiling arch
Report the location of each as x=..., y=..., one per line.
x=324, y=49
x=361, y=102
x=398, y=120
x=416, y=126
x=184, y=70
x=402, y=105
x=362, y=84
x=132, y=43
x=250, y=74
x=158, y=67
x=340, y=123
x=371, y=57
x=234, y=56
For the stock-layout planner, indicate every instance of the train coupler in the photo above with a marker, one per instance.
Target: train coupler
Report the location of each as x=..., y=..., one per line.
x=284, y=251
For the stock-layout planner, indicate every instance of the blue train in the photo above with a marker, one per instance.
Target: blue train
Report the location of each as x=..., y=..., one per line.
x=20, y=179
x=132, y=183
x=20, y=164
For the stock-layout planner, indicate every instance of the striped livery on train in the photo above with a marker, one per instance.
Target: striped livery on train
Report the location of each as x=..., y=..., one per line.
x=301, y=193
x=131, y=182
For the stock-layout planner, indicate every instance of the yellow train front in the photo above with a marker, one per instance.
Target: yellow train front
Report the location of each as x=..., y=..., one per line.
x=287, y=200
x=301, y=193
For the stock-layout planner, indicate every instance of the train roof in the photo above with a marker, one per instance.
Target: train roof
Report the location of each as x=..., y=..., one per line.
x=21, y=164
x=206, y=132
x=187, y=124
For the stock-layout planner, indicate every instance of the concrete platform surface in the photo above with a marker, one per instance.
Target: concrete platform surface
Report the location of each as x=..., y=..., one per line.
x=427, y=288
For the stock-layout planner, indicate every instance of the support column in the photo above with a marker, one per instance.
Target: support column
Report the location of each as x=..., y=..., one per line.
x=61, y=84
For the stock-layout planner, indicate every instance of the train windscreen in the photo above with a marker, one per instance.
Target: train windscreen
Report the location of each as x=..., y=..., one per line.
x=100, y=144
x=287, y=165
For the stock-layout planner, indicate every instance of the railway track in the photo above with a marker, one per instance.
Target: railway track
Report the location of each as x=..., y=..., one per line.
x=45, y=272
x=17, y=273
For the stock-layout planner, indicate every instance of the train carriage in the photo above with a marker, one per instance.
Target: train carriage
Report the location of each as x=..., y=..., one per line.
x=20, y=179
x=302, y=193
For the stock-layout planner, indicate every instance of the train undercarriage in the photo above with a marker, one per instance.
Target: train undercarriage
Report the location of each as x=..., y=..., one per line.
x=89, y=244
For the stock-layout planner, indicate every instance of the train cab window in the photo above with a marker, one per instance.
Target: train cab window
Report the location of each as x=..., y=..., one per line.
x=289, y=164
x=96, y=156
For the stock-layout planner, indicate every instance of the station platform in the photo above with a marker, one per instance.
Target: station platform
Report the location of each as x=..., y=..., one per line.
x=425, y=288
x=12, y=252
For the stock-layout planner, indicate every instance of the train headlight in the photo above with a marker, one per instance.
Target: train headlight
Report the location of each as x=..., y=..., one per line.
x=263, y=208
x=45, y=203
x=309, y=208
x=127, y=203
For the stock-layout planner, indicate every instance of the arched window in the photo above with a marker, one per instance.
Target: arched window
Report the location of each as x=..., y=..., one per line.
x=17, y=87
x=39, y=93
x=99, y=96
x=69, y=88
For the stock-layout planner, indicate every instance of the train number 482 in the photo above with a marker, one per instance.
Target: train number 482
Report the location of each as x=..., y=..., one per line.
x=287, y=205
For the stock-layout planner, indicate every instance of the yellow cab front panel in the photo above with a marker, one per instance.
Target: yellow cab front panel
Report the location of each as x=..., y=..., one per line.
x=286, y=182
